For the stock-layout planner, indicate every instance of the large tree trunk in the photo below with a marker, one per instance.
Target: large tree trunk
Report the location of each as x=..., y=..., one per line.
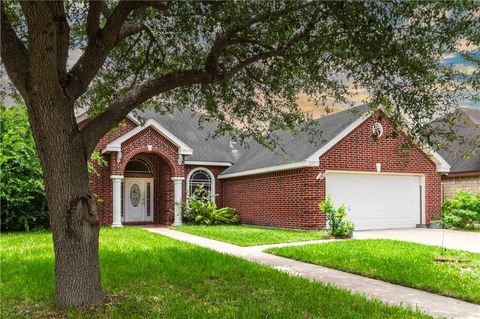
x=72, y=207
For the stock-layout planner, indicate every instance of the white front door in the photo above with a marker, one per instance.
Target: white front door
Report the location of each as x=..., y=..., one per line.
x=138, y=199
x=377, y=201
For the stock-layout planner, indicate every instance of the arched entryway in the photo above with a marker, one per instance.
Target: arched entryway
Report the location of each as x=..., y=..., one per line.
x=138, y=191
x=147, y=190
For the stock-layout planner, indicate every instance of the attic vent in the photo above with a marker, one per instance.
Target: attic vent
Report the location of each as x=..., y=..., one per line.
x=377, y=129
x=233, y=146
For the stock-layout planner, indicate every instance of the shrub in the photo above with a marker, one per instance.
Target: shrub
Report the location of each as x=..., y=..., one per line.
x=23, y=199
x=200, y=210
x=336, y=219
x=461, y=211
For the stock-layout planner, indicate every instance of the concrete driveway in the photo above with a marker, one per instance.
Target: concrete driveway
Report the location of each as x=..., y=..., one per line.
x=469, y=241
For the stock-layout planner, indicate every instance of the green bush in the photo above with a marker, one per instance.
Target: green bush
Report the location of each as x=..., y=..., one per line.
x=200, y=210
x=23, y=199
x=339, y=227
x=462, y=211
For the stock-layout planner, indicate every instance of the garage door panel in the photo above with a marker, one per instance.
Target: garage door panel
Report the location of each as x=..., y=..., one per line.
x=376, y=201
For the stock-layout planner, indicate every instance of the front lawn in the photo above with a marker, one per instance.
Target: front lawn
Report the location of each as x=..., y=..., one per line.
x=148, y=276
x=252, y=235
x=399, y=262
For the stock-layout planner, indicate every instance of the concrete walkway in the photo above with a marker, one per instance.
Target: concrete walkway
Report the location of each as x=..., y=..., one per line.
x=452, y=239
x=389, y=293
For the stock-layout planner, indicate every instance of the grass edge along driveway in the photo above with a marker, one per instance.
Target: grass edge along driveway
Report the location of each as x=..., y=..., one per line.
x=147, y=275
x=251, y=235
x=399, y=262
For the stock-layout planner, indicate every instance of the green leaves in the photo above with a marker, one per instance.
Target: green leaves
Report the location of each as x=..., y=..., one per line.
x=462, y=211
x=339, y=227
x=23, y=199
x=200, y=210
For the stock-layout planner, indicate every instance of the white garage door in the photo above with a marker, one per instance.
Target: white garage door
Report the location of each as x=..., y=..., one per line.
x=377, y=201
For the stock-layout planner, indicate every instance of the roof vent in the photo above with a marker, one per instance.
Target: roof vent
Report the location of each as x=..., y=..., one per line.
x=233, y=146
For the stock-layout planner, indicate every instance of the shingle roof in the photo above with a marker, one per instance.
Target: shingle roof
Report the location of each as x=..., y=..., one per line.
x=291, y=147
x=470, y=131
x=184, y=125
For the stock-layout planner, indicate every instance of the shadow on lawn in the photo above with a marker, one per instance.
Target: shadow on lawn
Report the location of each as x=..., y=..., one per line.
x=152, y=276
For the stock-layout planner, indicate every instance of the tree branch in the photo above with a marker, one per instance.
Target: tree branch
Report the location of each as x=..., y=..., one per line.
x=119, y=109
x=96, y=52
x=104, y=41
x=135, y=28
x=95, y=9
x=14, y=54
x=63, y=38
x=42, y=43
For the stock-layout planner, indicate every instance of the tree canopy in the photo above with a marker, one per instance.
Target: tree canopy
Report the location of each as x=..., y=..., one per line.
x=259, y=55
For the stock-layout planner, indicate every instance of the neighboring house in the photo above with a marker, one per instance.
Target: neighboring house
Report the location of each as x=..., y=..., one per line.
x=153, y=167
x=465, y=170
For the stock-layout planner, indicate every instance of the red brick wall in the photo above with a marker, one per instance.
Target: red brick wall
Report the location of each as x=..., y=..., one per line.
x=281, y=199
x=289, y=199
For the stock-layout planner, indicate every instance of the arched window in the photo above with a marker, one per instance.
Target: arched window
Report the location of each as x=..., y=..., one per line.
x=138, y=166
x=201, y=177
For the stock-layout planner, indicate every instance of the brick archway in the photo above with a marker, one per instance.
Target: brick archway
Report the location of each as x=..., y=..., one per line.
x=162, y=192
x=174, y=167
x=169, y=173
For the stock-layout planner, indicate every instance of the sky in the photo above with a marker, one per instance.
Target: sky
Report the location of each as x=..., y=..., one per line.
x=361, y=96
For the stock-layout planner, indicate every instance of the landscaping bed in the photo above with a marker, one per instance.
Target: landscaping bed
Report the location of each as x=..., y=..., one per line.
x=452, y=273
x=251, y=235
x=147, y=275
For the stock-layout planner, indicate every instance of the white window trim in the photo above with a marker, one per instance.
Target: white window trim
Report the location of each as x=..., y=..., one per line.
x=271, y=169
x=212, y=177
x=204, y=163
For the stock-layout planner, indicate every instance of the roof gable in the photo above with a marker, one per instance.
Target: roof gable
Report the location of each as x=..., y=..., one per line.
x=116, y=145
x=335, y=128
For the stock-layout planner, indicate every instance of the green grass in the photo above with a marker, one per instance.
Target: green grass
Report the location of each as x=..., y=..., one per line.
x=148, y=276
x=251, y=235
x=399, y=262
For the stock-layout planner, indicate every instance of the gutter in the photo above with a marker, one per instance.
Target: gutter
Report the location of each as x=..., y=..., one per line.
x=271, y=169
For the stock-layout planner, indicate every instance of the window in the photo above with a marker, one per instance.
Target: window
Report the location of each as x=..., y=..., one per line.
x=201, y=177
x=138, y=166
x=149, y=200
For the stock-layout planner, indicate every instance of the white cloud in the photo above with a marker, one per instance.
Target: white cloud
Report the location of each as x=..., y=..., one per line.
x=358, y=96
x=448, y=56
x=464, y=68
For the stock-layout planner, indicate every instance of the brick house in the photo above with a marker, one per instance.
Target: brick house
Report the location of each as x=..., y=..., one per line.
x=464, y=172
x=154, y=165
